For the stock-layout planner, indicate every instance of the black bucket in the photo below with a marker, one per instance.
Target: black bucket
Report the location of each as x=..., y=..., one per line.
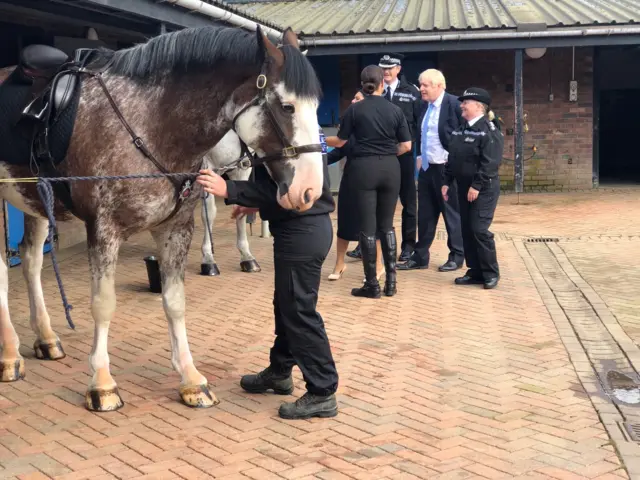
x=153, y=272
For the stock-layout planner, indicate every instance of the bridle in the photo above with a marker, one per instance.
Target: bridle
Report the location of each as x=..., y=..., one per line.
x=288, y=152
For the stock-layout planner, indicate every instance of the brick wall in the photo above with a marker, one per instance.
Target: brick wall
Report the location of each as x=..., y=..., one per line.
x=561, y=130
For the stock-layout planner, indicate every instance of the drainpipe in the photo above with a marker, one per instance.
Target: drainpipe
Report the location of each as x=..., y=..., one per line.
x=457, y=37
x=224, y=15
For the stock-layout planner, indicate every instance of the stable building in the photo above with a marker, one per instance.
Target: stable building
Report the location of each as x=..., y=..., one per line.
x=564, y=75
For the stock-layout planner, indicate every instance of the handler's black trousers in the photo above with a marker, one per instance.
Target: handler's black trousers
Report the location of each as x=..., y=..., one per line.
x=408, y=199
x=476, y=218
x=300, y=247
x=430, y=205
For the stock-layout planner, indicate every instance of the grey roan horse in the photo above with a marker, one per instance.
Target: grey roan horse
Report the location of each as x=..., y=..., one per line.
x=180, y=92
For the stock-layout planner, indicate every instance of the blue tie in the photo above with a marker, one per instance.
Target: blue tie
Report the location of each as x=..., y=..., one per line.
x=425, y=128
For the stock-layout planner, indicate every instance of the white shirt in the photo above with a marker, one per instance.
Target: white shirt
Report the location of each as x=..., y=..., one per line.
x=435, y=154
x=391, y=87
x=473, y=122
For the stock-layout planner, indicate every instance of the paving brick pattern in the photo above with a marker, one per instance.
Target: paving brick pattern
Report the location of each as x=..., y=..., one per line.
x=437, y=382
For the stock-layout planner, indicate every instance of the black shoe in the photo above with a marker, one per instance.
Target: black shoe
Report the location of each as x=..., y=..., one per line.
x=491, y=283
x=450, y=266
x=310, y=405
x=411, y=265
x=371, y=287
x=355, y=253
x=405, y=255
x=268, y=380
x=467, y=280
x=389, y=252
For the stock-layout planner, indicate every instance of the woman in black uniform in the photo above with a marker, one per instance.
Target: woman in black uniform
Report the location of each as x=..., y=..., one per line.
x=301, y=242
x=348, y=224
x=475, y=154
x=381, y=133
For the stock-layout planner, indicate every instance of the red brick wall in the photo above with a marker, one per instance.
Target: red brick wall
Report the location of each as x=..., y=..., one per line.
x=561, y=130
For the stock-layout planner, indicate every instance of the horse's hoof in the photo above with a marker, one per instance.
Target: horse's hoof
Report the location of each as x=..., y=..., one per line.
x=198, y=396
x=209, y=269
x=250, y=266
x=11, y=371
x=49, y=350
x=98, y=400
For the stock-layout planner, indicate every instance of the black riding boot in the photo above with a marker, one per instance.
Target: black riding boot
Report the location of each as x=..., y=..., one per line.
x=389, y=253
x=371, y=287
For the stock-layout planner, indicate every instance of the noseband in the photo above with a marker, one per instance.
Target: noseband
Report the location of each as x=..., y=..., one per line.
x=288, y=152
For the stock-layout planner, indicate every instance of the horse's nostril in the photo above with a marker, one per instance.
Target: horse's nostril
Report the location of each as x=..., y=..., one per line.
x=307, y=195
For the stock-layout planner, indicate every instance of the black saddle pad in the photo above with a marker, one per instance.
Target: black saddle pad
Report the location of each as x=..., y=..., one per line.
x=15, y=138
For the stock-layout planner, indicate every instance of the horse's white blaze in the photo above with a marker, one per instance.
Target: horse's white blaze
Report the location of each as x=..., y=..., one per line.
x=173, y=300
x=309, y=175
x=103, y=307
x=32, y=257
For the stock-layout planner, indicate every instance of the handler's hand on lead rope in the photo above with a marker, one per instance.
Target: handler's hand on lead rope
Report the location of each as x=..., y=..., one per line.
x=472, y=195
x=212, y=183
x=445, y=193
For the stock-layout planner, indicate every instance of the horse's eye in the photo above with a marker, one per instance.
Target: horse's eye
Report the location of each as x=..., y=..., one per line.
x=288, y=108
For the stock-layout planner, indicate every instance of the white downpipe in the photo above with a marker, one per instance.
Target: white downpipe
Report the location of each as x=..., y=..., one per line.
x=457, y=37
x=224, y=15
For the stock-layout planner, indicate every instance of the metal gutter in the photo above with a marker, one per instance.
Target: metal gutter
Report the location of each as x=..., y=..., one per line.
x=457, y=37
x=224, y=15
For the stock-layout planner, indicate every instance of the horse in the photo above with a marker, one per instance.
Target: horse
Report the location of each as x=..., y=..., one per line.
x=157, y=106
x=219, y=157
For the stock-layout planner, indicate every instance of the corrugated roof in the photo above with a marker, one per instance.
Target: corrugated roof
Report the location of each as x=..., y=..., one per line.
x=345, y=17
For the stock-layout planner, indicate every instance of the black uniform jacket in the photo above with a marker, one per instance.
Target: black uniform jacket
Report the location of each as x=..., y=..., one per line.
x=261, y=193
x=450, y=119
x=407, y=97
x=475, y=154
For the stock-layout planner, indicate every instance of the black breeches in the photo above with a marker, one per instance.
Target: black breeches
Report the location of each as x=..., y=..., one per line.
x=375, y=183
x=300, y=248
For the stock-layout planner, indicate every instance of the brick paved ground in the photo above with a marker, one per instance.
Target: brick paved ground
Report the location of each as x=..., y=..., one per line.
x=428, y=389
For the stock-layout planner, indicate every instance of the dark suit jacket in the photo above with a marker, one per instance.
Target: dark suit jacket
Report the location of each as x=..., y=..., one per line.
x=450, y=119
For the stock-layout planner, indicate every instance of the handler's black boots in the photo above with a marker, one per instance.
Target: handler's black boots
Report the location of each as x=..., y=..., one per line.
x=268, y=380
x=310, y=405
x=371, y=287
x=389, y=252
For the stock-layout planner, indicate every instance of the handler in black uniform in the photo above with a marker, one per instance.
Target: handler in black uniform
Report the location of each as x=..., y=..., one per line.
x=407, y=97
x=381, y=134
x=301, y=243
x=475, y=154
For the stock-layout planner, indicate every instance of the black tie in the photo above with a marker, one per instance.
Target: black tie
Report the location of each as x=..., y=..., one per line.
x=387, y=95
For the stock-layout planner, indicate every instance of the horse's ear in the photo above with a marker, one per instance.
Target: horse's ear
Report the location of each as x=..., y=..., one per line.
x=268, y=48
x=289, y=37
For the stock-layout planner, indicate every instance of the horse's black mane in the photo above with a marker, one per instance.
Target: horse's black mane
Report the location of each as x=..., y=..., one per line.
x=202, y=48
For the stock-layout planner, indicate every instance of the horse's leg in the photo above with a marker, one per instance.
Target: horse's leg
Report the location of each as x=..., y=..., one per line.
x=11, y=362
x=104, y=244
x=248, y=262
x=208, y=264
x=173, y=244
x=47, y=345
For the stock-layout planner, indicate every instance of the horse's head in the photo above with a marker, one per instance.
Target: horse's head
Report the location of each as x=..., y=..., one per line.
x=275, y=115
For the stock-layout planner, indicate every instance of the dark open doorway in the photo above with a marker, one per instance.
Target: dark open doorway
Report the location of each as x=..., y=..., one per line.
x=619, y=151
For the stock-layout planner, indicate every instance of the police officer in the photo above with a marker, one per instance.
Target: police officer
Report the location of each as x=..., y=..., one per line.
x=406, y=96
x=301, y=243
x=475, y=154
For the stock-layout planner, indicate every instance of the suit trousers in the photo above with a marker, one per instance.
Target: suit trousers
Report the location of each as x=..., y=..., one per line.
x=476, y=217
x=300, y=247
x=430, y=206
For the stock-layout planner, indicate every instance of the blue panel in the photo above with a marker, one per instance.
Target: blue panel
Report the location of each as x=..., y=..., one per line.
x=328, y=70
x=15, y=234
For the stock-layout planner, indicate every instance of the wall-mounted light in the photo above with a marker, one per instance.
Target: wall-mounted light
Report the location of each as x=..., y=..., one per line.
x=535, y=53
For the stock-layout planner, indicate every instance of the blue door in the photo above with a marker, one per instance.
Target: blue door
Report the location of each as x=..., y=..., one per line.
x=14, y=232
x=328, y=71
